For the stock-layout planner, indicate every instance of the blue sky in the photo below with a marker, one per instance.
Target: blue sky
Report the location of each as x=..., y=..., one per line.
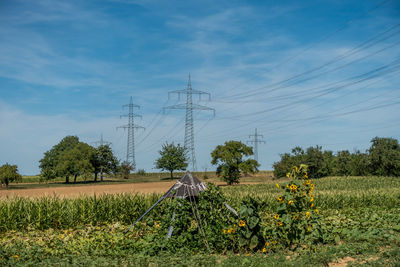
x=301, y=72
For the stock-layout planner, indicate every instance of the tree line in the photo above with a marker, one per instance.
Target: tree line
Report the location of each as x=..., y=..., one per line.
x=71, y=158
x=381, y=159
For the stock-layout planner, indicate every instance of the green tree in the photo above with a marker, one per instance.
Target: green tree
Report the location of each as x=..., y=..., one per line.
x=282, y=167
x=343, y=163
x=125, y=169
x=172, y=158
x=104, y=161
x=76, y=161
x=315, y=161
x=384, y=155
x=52, y=157
x=328, y=164
x=9, y=173
x=360, y=164
x=230, y=160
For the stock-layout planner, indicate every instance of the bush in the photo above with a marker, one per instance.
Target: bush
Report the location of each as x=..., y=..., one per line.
x=197, y=224
x=246, y=234
x=296, y=221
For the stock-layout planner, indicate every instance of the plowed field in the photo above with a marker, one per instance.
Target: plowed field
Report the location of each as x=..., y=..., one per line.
x=76, y=191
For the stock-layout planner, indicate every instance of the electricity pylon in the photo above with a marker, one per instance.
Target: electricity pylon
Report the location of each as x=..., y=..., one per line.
x=189, y=107
x=256, y=141
x=101, y=142
x=130, y=148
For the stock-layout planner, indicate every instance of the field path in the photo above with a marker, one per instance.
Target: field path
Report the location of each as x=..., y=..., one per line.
x=88, y=190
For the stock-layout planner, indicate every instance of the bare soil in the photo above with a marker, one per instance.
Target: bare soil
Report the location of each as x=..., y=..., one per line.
x=89, y=190
x=341, y=262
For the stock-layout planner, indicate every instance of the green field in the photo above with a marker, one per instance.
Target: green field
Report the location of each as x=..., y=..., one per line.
x=360, y=219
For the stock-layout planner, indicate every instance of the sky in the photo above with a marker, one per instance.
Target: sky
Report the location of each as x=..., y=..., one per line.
x=303, y=73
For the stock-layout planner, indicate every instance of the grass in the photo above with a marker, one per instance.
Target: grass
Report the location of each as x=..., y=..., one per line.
x=361, y=218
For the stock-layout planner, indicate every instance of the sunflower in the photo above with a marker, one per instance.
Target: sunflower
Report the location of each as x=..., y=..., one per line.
x=276, y=216
x=293, y=188
x=242, y=223
x=290, y=202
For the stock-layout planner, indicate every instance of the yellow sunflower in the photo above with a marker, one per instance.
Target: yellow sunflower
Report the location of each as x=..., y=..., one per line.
x=293, y=188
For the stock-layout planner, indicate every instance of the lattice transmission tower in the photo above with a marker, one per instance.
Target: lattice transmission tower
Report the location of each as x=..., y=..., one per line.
x=256, y=141
x=189, y=127
x=101, y=142
x=131, y=126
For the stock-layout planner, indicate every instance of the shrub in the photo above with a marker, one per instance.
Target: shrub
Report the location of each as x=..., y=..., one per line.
x=197, y=224
x=296, y=221
x=246, y=234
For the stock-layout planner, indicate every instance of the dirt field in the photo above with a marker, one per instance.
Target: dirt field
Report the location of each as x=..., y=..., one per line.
x=76, y=191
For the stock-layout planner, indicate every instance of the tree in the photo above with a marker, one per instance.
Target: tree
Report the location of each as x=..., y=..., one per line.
x=344, y=163
x=315, y=161
x=9, y=173
x=125, y=169
x=76, y=161
x=52, y=157
x=104, y=161
x=282, y=167
x=384, y=155
x=230, y=160
x=172, y=158
x=360, y=164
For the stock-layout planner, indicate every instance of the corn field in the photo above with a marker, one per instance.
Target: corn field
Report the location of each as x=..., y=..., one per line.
x=332, y=193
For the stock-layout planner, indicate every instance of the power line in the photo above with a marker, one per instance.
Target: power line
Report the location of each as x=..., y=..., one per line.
x=131, y=126
x=292, y=80
x=307, y=91
x=189, y=127
x=326, y=37
x=256, y=141
x=378, y=72
x=101, y=142
x=327, y=89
